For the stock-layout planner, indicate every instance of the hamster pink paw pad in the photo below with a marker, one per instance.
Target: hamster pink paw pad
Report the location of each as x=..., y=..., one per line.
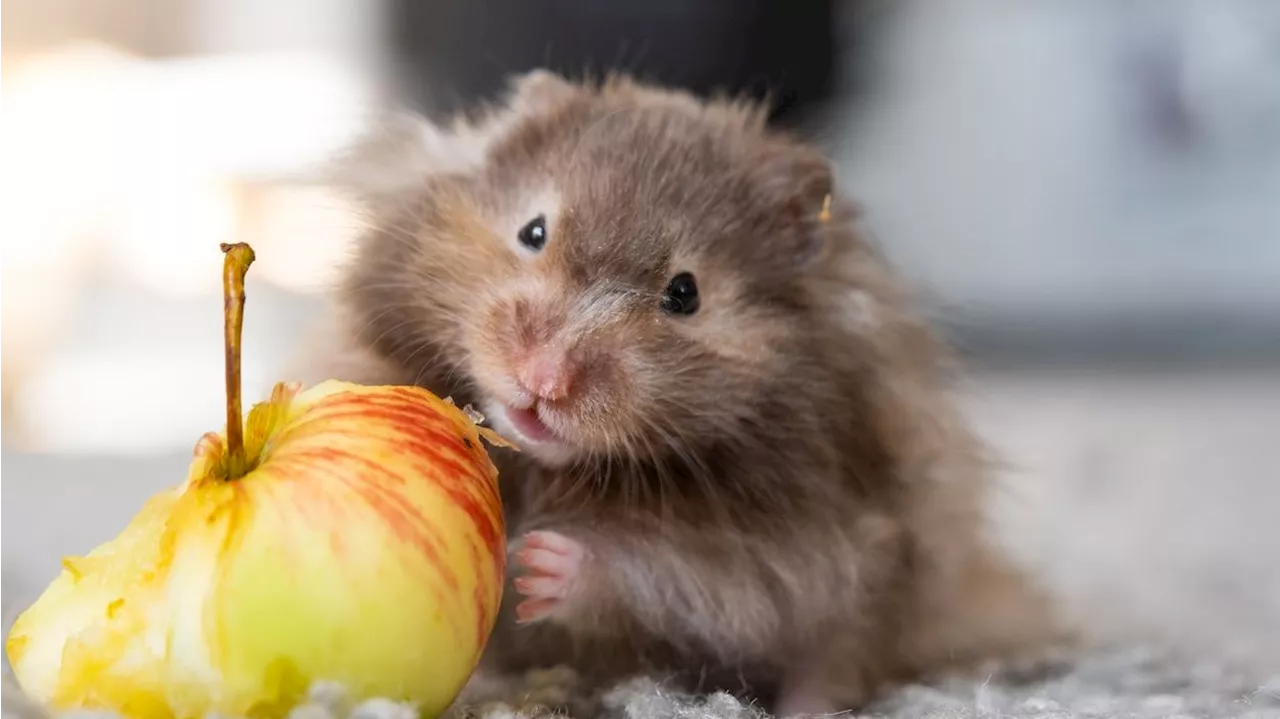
x=551, y=564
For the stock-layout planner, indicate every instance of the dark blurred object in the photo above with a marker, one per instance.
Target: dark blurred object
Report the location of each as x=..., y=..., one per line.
x=447, y=54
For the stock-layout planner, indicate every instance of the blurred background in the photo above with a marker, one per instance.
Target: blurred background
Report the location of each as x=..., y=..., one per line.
x=1087, y=191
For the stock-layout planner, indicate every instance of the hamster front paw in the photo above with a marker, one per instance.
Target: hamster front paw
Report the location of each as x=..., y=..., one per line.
x=552, y=564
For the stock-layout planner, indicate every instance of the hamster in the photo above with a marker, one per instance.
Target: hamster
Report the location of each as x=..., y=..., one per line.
x=740, y=468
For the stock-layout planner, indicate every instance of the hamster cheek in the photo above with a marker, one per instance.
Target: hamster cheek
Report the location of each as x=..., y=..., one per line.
x=732, y=326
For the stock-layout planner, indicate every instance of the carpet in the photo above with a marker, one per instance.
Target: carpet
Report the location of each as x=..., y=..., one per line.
x=1127, y=683
x=1137, y=683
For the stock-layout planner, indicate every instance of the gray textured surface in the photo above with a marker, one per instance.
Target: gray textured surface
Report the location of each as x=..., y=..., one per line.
x=1150, y=502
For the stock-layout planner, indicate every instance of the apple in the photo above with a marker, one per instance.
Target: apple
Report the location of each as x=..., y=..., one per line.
x=344, y=534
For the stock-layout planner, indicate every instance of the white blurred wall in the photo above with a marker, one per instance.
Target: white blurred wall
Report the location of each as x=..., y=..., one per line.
x=158, y=28
x=137, y=136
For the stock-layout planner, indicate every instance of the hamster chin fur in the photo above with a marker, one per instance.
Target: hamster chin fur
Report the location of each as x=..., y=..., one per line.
x=740, y=459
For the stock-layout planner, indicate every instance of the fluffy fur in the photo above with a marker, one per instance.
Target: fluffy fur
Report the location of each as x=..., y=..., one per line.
x=775, y=494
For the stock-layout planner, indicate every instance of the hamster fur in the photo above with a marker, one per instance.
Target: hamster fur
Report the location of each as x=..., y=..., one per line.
x=771, y=494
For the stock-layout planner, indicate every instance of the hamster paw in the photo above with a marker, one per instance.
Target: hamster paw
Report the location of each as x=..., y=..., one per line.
x=552, y=563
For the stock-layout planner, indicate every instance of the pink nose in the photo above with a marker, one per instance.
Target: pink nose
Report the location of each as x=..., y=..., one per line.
x=546, y=374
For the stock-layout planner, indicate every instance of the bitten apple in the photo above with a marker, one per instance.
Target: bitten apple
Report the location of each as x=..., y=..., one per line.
x=347, y=533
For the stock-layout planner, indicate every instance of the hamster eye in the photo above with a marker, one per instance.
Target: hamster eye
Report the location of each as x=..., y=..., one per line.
x=681, y=297
x=534, y=234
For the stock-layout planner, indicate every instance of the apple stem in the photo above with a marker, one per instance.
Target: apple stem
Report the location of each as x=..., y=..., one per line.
x=236, y=265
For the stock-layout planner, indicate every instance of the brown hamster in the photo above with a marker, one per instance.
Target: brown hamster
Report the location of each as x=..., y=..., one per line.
x=740, y=464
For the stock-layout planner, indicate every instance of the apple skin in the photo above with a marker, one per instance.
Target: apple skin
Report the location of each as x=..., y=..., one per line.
x=365, y=546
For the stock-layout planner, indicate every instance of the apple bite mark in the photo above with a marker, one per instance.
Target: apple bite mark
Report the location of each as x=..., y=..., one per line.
x=552, y=564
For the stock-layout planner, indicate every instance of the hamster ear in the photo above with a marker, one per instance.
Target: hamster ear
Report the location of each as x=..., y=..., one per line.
x=539, y=91
x=395, y=154
x=401, y=149
x=798, y=182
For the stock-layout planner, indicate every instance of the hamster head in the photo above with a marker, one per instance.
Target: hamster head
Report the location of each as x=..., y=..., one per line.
x=606, y=269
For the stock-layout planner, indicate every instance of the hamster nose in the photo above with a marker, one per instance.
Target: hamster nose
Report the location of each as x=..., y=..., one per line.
x=546, y=374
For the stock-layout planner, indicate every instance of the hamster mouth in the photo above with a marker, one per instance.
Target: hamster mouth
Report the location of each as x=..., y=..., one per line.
x=529, y=425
